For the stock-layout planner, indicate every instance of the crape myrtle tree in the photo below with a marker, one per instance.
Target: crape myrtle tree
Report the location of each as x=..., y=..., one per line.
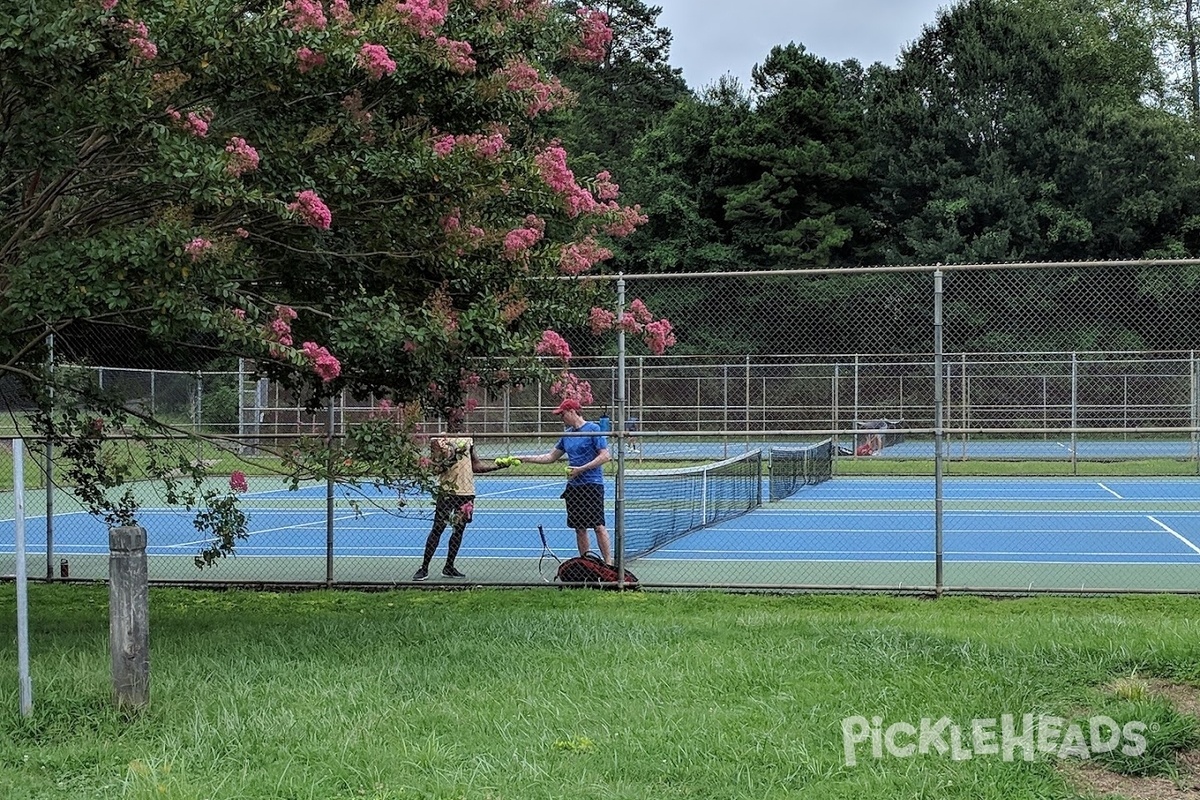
x=351, y=196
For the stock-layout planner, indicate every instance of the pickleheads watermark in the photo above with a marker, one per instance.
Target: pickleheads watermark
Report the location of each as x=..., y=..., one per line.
x=1001, y=737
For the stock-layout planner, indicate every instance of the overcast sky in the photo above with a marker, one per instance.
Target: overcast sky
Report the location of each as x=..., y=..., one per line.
x=712, y=37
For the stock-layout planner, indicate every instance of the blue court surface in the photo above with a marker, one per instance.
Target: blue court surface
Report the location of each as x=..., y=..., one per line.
x=1118, y=521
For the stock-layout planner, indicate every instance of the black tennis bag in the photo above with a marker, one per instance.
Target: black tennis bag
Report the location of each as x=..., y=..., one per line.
x=590, y=571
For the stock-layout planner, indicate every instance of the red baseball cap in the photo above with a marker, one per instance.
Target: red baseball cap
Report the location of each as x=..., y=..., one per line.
x=567, y=405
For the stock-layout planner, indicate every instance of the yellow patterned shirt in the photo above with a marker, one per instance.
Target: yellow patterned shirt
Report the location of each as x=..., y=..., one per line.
x=458, y=477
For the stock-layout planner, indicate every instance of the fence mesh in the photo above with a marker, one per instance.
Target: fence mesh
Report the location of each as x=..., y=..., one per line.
x=1002, y=428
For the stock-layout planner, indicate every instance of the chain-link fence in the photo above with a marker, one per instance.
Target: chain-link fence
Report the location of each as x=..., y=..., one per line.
x=993, y=429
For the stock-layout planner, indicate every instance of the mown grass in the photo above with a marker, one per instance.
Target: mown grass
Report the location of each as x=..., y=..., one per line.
x=551, y=694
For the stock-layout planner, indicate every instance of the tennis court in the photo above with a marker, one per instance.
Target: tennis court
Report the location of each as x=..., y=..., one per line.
x=706, y=526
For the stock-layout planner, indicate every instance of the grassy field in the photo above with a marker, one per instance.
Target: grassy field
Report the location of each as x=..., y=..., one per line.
x=552, y=694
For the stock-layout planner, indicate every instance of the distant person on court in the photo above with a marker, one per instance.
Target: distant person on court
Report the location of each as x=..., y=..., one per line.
x=584, y=494
x=455, y=459
x=872, y=442
x=631, y=428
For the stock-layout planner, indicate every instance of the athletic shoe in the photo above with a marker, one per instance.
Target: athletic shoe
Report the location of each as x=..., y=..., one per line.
x=421, y=574
x=450, y=572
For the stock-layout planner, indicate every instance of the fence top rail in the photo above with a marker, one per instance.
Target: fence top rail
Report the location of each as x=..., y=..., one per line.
x=894, y=268
x=850, y=359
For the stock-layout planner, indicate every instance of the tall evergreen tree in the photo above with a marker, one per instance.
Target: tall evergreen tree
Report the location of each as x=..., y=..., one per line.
x=805, y=165
x=997, y=144
x=626, y=93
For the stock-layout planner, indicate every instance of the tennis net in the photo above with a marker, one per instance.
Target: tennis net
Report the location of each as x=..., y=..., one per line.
x=793, y=467
x=662, y=505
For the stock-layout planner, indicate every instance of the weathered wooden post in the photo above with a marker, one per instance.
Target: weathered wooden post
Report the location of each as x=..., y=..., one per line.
x=129, y=616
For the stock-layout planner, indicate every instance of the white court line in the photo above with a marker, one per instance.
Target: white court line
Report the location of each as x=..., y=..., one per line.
x=301, y=526
x=535, y=486
x=1174, y=533
x=1110, y=491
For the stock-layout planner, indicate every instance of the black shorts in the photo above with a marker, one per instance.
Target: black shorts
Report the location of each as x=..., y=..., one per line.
x=447, y=507
x=585, y=505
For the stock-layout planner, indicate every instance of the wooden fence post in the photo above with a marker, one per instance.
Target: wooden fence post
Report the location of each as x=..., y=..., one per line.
x=129, y=616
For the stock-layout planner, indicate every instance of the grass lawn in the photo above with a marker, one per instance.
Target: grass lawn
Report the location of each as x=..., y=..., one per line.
x=572, y=694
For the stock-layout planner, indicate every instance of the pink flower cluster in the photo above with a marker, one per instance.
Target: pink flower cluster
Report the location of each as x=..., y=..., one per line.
x=553, y=344
x=279, y=329
x=570, y=387
x=519, y=240
x=308, y=59
x=237, y=481
x=579, y=257
x=305, y=15
x=552, y=165
x=423, y=16
x=658, y=334
x=242, y=157
x=375, y=60
x=466, y=510
x=193, y=123
x=197, y=247
x=458, y=55
x=637, y=316
x=594, y=37
x=470, y=235
x=140, y=46
x=625, y=219
x=483, y=145
x=340, y=11
x=521, y=77
x=605, y=188
x=312, y=210
x=325, y=365
x=601, y=320
x=108, y=5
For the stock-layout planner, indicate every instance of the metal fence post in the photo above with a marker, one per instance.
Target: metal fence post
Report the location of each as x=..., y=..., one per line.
x=1194, y=407
x=1074, y=413
x=24, y=682
x=329, y=496
x=939, y=433
x=622, y=412
x=50, y=464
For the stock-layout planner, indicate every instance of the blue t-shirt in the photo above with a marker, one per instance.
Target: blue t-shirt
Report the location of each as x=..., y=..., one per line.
x=582, y=449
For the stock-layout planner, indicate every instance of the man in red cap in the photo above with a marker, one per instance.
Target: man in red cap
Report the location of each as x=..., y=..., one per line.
x=586, y=449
